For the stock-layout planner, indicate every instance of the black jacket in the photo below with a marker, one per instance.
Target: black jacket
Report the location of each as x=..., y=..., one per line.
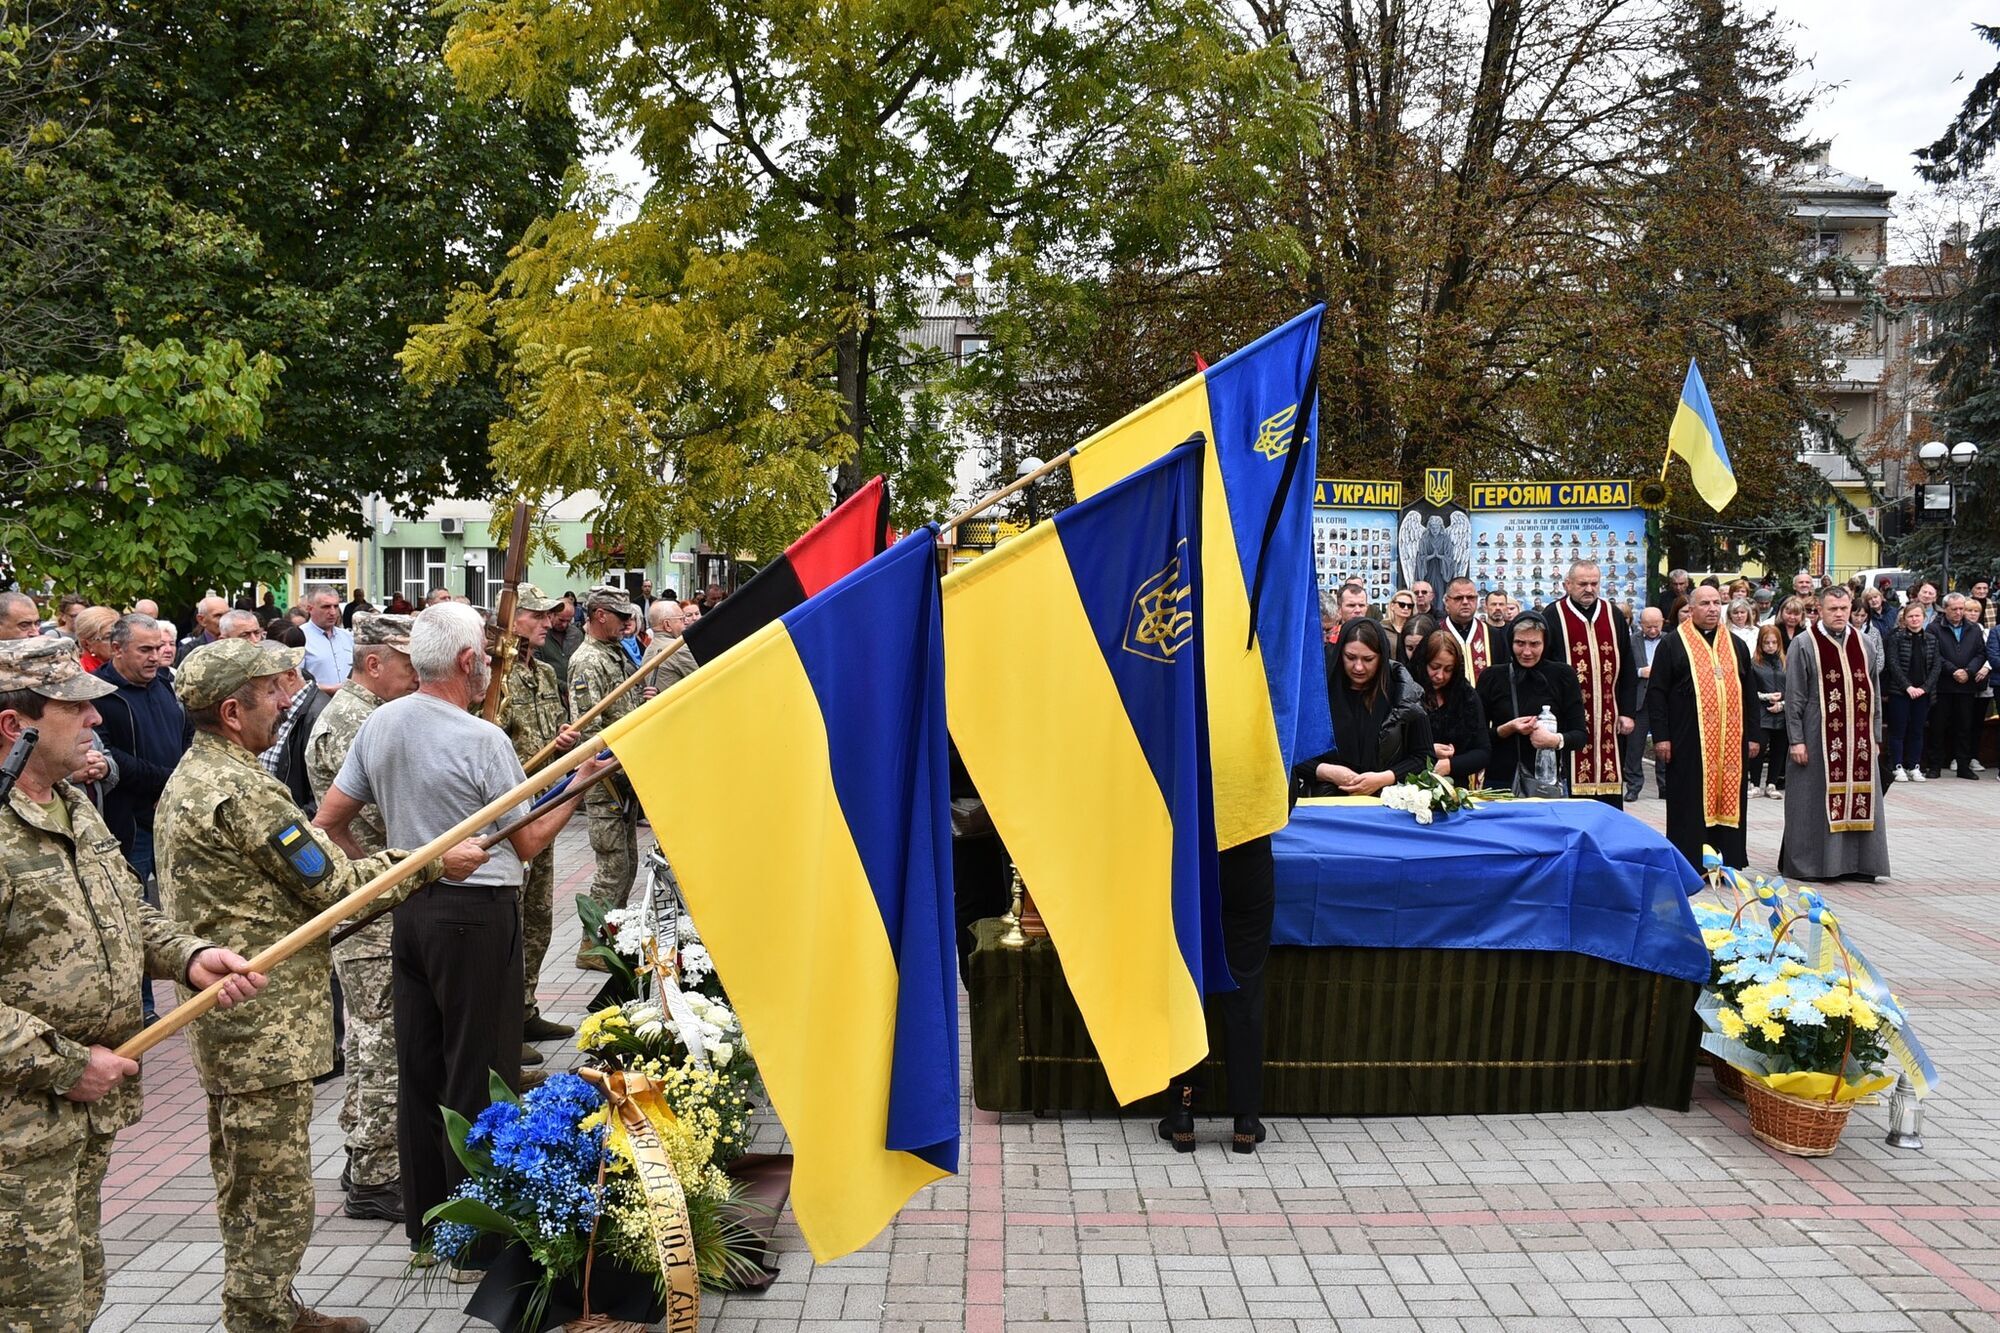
x=1400, y=743
x=146, y=731
x=1966, y=652
x=1460, y=721
x=1911, y=659
x=1550, y=683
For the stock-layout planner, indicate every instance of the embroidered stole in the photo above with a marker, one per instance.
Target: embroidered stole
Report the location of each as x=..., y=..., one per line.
x=1478, y=646
x=1594, y=653
x=1718, y=711
x=1846, y=730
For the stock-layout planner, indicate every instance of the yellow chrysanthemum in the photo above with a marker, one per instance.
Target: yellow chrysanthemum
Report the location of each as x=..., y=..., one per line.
x=1756, y=1011
x=1771, y=1031
x=1715, y=939
x=1835, y=1003
x=592, y=1032
x=1790, y=968
x=1732, y=1024
x=1865, y=1016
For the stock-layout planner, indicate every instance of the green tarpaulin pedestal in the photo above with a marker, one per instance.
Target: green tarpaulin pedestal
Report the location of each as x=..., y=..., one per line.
x=1372, y=1032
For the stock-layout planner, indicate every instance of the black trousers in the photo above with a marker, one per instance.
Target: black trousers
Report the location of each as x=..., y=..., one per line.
x=457, y=987
x=1249, y=898
x=1954, y=731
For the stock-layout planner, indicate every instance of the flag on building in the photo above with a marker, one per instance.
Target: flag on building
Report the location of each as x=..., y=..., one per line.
x=822, y=883
x=1267, y=706
x=855, y=532
x=1696, y=437
x=1074, y=687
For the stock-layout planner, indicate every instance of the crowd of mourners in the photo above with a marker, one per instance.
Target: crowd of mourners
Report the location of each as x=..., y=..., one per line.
x=182, y=802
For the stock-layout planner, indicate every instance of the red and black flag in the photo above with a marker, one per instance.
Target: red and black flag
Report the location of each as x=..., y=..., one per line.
x=853, y=534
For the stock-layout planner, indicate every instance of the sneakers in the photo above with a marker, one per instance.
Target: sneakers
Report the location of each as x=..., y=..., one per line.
x=1918, y=775
x=375, y=1203
x=538, y=1028
x=465, y=1277
x=1902, y=774
x=307, y=1320
x=530, y=1056
x=1978, y=767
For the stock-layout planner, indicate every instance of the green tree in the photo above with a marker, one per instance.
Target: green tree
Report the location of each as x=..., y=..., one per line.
x=301, y=178
x=104, y=473
x=818, y=173
x=1967, y=339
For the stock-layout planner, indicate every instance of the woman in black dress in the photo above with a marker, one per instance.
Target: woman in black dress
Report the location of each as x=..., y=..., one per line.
x=1460, y=743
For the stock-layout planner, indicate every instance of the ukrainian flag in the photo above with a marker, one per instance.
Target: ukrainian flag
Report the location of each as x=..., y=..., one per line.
x=1696, y=437
x=1267, y=703
x=821, y=883
x=1074, y=681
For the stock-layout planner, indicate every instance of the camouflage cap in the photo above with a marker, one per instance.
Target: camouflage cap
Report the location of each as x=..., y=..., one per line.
x=387, y=630
x=226, y=666
x=48, y=664
x=530, y=598
x=607, y=598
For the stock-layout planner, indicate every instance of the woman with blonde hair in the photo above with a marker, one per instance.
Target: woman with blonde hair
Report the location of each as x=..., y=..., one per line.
x=93, y=635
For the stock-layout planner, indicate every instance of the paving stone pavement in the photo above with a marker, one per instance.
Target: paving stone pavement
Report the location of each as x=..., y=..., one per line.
x=1636, y=1220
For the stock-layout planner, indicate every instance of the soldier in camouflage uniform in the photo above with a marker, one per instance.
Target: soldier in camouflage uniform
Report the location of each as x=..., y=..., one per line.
x=532, y=717
x=370, y=1181
x=597, y=667
x=238, y=861
x=78, y=938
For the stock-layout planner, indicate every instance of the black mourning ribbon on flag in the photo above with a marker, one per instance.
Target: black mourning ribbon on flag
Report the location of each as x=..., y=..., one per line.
x=1306, y=404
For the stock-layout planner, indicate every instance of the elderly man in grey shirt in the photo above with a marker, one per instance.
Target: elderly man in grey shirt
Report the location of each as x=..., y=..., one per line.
x=428, y=762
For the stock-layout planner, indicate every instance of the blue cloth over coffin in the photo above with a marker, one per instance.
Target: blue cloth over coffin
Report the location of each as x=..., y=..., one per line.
x=1561, y=876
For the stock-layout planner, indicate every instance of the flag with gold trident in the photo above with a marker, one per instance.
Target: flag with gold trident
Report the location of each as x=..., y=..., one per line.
x=1264, y=667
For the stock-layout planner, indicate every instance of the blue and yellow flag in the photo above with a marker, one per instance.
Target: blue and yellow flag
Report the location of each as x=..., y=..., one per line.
x=1696, y=437
x=822, y=886
x=1267, y=703
x=1074, y=679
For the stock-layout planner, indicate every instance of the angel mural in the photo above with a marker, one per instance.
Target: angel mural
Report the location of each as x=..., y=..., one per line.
x=1435, y=548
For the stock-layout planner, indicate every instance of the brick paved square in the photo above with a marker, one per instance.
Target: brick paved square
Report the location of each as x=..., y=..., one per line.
x=1641, y=1220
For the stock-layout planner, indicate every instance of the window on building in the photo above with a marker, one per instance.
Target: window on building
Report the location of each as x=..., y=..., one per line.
x=412, y=571
x=320, y=578
x=971, y=345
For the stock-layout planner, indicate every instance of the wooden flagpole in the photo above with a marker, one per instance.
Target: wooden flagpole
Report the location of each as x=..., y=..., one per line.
x=644, y=669
x=291, y=944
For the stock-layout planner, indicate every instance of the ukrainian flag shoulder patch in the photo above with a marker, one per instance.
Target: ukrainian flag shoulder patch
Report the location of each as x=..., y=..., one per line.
x=301, y=852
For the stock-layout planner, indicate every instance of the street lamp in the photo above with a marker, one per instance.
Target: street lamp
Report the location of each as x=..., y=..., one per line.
x=1027, y=468
x=1953, y=462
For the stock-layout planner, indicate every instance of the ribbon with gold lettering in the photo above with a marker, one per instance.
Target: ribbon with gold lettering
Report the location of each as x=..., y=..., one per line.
x=632, y=1095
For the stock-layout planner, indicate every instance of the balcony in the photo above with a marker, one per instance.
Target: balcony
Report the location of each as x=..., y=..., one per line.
x=1864, y=371
x=1836, y=468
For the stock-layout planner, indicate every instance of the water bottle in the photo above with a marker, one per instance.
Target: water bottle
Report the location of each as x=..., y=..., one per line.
x=1545, y=760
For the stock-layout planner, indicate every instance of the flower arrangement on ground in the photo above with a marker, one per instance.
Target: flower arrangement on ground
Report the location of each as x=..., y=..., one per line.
x=1795, y=1008
x=1429, y=793
x=615, y=937
x=682, y=1029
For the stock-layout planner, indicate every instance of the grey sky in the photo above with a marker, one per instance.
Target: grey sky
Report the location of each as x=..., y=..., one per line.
x=1895, y=62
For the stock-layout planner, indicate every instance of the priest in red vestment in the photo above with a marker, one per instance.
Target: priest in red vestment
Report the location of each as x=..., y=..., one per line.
x=1594, y=638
